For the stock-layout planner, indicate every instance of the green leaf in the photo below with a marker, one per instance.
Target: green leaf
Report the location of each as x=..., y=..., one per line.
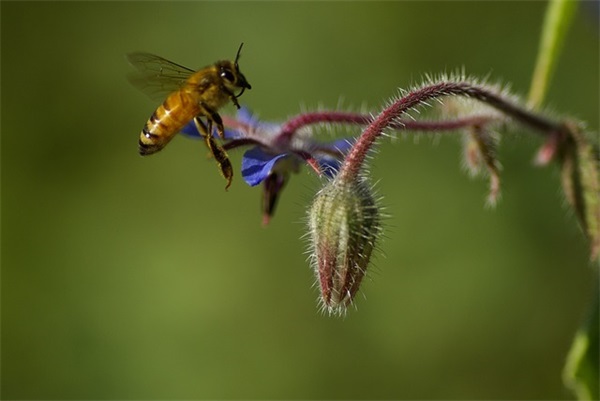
x=559, y=16
x=581, y=372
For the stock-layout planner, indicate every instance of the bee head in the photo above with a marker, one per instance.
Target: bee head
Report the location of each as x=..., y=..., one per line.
x=231, y=75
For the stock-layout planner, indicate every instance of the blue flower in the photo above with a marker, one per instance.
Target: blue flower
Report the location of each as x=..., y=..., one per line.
x=275, y=154
x=191, y=131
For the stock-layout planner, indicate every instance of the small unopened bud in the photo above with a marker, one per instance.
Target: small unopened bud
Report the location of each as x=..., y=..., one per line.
x=549, y=149
x=344, y=225
x=480, y=156
x=580, y=165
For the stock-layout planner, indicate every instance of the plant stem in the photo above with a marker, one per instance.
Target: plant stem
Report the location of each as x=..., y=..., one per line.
x=559, y=15
x=390, y=115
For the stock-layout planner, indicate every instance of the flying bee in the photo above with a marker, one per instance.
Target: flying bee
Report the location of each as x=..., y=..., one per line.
x=190, y=95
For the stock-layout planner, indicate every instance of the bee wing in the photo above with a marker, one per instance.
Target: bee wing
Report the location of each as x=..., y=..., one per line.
x=156, y=76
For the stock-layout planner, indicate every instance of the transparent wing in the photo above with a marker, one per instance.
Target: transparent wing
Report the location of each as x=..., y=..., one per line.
x=156, y=76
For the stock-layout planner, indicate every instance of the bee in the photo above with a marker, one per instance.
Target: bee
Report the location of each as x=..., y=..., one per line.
x=190, y=95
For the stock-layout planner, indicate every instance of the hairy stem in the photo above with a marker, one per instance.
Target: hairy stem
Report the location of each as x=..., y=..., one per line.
x=289, y=128
x=389, y=116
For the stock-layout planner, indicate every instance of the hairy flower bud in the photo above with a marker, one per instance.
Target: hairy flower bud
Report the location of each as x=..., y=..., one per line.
x=581, y=183
x=344, y=225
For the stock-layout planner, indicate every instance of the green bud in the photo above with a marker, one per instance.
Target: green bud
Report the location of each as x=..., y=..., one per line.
x=581, y=183
x=480, y=158
x=344, y=224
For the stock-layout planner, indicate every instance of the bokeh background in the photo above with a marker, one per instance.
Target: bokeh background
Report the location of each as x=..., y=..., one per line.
x=140, y=278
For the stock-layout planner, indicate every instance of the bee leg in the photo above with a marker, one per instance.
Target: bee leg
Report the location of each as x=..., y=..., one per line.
x=232, y=97
x=201, y=127
x=235, y=102
x=222, y=159
x=214, y=117
x=217, y=151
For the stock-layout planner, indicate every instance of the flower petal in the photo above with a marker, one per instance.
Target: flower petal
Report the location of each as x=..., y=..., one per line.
x=191, y=131
x=272, y=187
x=330, y=164
x=244, y=115
x=257, y=165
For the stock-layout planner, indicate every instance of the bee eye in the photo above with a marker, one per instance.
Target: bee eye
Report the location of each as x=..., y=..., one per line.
x=228, y=75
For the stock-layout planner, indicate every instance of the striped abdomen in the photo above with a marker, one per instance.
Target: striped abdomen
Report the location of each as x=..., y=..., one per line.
x=168, y=119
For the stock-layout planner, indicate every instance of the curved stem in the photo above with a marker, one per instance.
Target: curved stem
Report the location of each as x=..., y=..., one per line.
x=390, y=115
x=290, y=127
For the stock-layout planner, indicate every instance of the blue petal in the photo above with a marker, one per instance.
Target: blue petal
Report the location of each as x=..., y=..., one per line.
x=342, y=145
x=244, y=115
x=257, y=165
x=191, y=131
x=329, y=164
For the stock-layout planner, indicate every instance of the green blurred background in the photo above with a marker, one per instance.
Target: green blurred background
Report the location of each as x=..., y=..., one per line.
x=140, y=278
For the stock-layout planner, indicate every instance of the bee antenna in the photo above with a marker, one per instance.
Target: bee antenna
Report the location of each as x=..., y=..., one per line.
x=237, y=56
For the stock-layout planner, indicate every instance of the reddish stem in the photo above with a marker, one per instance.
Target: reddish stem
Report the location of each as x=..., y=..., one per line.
x=386, y=119
x=289, y=128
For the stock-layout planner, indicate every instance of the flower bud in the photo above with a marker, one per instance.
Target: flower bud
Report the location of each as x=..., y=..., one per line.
x=580, y=164
x=480, y=158
x=344, y=224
